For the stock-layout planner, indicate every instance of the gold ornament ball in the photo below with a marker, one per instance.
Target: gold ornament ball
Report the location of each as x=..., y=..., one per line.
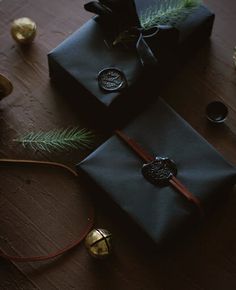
x=98, y=243
x=6, y=87
x=23, y=30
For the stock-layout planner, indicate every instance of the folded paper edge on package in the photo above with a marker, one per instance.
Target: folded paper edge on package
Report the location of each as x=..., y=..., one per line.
x=161, y=211
x=77, y=61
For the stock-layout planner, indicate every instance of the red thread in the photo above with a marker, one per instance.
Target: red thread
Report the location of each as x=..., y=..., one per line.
x=66, y=248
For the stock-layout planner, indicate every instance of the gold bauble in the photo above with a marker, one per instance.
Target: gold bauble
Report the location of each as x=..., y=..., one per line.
x=23, y=30
x=6, y=87
x=98, y=243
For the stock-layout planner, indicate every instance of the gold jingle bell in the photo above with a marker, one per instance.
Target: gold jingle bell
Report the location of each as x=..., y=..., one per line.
x=6, y=87
x=23, y=30
x=98, y=243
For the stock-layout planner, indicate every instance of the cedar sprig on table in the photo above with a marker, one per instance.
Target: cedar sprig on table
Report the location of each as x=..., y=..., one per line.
x=168, y=12
x=234, y=57
x=58, y=140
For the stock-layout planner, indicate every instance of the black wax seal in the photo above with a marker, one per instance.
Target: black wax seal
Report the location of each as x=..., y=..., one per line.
x=216, y=112
x=159, y=171
x=111, y=79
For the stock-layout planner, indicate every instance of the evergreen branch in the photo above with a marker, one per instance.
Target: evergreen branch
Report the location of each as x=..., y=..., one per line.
x=234, y=57
x=58, y=140
x=168, y=12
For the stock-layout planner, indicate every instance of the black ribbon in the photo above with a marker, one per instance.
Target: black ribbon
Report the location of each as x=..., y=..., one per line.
x=121, y=15
x=144, y=51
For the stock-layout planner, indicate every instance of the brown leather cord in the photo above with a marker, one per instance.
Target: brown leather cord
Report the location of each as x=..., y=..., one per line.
x=176, y=183
x=135, y=146
x=66, y=248
x=188, y=193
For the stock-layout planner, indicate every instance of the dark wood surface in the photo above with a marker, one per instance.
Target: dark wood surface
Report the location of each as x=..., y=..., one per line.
x=41, y=209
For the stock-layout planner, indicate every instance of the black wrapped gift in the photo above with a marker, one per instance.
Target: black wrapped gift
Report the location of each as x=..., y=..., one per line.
x=81, y=61
x=159, y=210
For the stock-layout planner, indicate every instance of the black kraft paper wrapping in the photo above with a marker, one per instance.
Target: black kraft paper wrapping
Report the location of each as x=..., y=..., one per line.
x=161, y=211
x=77, y=61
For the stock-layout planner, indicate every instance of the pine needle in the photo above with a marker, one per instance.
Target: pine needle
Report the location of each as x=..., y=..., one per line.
x=58, y=140
x=168, y=12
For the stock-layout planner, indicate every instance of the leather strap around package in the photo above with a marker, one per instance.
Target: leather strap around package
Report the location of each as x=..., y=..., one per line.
x=175, y=182
x=70, y=245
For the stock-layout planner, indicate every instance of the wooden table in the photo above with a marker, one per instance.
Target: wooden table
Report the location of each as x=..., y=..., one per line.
x=42, y=209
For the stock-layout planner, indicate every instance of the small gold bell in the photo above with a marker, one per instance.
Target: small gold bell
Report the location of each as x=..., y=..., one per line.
x=98, y=243
x=5, y=87
x=23, y=30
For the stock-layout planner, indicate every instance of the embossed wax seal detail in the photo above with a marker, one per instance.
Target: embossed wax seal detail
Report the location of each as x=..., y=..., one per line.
x=111, y=79
x=159, y=171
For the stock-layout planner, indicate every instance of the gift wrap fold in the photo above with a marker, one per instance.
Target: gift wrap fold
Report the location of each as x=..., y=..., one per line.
x=76, y=63
x=161, y=211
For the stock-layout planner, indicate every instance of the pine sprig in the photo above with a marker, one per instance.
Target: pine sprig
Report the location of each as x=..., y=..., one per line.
x=168, y=12
x=58, y=140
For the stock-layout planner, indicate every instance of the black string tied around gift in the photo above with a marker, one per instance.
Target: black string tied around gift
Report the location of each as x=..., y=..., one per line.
x=122, y=20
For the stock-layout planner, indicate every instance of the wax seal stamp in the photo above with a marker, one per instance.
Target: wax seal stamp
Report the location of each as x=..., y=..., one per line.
x=111, y=79
x=159, y=171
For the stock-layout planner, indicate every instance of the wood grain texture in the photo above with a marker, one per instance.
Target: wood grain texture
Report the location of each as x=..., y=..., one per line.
x=43, y=209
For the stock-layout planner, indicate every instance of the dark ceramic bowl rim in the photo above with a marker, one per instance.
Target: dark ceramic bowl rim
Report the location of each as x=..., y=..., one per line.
x=216, y=112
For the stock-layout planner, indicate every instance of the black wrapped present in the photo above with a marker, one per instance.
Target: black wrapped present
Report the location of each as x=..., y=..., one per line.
x=203, y=176
x=112, y=60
